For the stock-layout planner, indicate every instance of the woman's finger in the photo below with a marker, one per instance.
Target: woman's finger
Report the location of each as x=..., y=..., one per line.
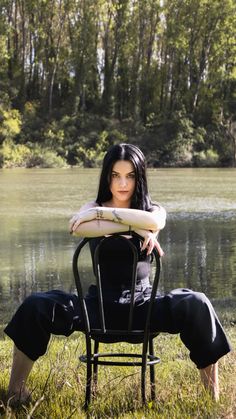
x=145, y=243
x=71, y=224
x=76, y=225
x=150, y=247
x=159, y=248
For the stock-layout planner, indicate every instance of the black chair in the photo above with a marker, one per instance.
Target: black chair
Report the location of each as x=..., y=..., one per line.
x=102, y=333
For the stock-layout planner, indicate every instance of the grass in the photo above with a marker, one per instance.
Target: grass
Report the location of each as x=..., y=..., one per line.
x=57, y=383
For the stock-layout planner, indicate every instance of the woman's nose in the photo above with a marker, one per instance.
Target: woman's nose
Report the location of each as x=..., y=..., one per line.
x=123, y=181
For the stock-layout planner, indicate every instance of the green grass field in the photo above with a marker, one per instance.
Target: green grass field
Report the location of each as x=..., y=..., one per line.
x=57, y=383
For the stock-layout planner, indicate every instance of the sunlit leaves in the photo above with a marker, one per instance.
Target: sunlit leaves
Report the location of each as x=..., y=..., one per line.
x=142, y=60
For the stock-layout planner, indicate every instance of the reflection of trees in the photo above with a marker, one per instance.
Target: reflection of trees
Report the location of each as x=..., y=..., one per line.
x=200, y=254
x=35, y=261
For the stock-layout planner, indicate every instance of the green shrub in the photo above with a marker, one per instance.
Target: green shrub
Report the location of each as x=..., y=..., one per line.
x=13, y=155
x=20, y=155
x=208, y=158
x=89, y=151
x=10, y=123
x=40, y=157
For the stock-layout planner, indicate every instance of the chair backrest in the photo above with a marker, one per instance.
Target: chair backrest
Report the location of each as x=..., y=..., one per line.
x=106, y=271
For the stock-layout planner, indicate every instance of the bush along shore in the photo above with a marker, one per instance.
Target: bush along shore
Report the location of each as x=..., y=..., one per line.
x=83, y=140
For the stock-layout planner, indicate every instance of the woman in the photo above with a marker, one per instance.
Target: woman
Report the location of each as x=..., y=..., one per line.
x=122, y=204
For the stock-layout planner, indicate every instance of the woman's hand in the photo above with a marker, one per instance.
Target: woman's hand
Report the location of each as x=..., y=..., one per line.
x=74, y=222
x=150, y=241
x=81, y=217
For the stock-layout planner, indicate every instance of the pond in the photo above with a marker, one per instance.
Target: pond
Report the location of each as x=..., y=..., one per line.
x=36, y=249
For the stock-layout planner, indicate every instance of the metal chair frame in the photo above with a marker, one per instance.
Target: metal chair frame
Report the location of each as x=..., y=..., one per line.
x=144, y=336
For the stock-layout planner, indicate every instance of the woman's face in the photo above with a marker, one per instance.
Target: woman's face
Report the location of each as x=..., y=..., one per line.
x=122, y=185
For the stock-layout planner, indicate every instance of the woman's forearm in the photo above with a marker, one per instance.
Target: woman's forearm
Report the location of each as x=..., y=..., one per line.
x=98, y=228
x=136, y=218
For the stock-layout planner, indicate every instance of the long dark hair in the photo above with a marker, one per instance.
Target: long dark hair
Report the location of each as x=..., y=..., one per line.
x=129, y=152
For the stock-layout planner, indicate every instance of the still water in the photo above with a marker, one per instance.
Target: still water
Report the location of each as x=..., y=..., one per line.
x=36, y=249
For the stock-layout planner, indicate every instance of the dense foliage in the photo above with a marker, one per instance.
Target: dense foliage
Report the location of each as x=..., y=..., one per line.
x=78, y=75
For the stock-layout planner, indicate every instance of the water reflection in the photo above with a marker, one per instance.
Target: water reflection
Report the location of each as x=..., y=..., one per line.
x=36, y=250
x=199, y=254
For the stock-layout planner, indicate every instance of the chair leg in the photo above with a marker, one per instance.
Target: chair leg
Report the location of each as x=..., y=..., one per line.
x=95, y=366
x=143, y=370
x=143, y=382
x=152, y=371
x=89, y=374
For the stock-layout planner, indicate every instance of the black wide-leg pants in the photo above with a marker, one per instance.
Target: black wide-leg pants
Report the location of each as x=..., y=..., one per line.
x=181, y=311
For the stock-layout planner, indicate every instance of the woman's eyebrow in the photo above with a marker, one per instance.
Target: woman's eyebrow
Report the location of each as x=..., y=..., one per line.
x=129, y=173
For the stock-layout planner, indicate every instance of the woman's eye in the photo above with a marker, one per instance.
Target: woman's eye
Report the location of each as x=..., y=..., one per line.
x=117, y=176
